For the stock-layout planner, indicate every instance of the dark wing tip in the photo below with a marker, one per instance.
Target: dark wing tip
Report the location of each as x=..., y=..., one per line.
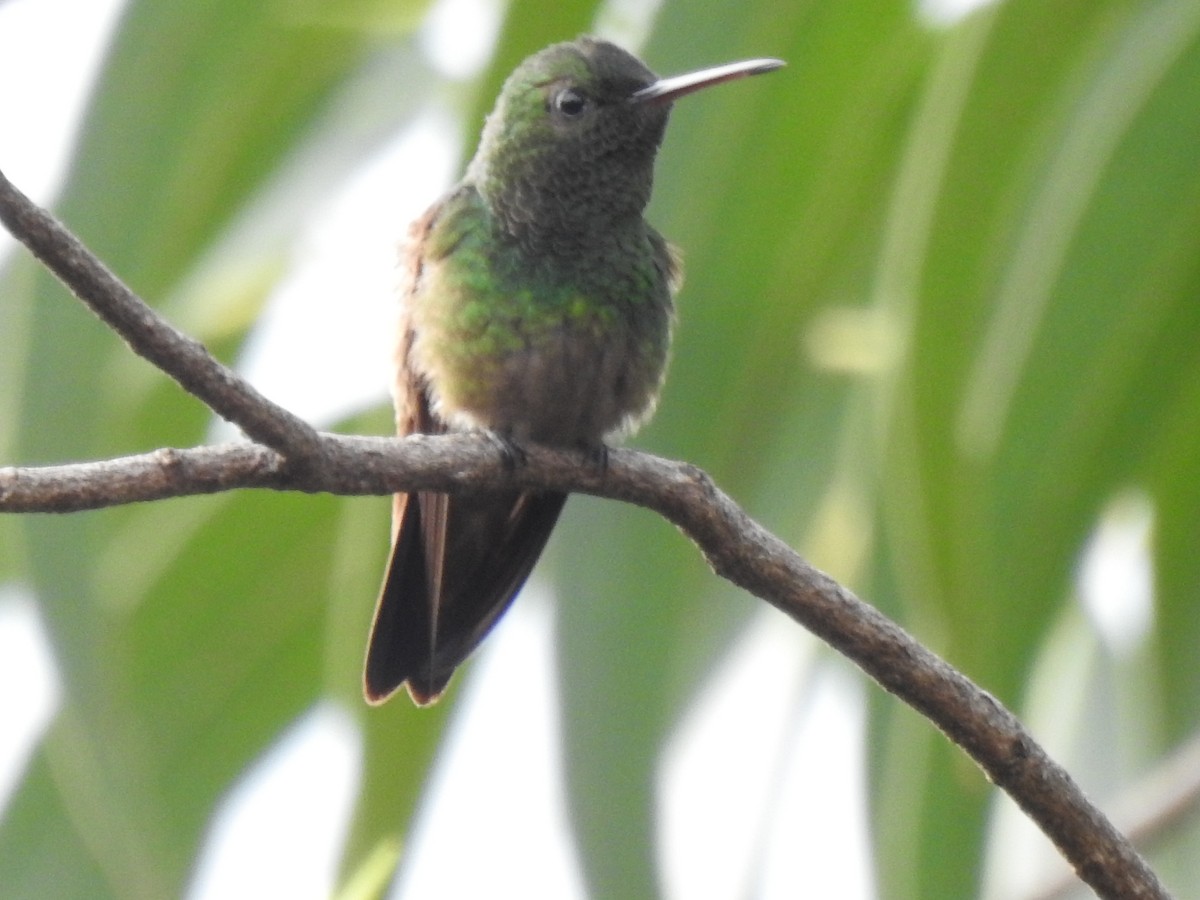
x=378, y=691
x=381, y=677
x=425, y=695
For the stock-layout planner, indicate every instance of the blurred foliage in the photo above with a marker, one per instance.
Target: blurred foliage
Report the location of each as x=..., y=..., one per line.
x=941, y=312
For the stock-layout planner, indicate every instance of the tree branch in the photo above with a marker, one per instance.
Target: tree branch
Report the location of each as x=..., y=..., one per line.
x=737, y=548
x=148, y=334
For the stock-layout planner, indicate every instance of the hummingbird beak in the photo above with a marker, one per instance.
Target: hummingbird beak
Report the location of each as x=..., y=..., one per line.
x=667, y=90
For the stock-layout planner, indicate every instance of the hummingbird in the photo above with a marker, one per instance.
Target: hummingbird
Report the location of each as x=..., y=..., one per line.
x=537, y=306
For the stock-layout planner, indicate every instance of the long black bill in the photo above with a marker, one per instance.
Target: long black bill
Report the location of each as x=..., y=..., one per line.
x=666, y=90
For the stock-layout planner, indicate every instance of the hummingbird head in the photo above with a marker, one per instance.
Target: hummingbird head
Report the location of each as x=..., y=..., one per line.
x=567, y=150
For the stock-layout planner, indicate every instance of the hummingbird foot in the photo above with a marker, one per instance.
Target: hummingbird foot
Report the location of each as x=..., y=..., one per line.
x=511, y=453
x=596, y=455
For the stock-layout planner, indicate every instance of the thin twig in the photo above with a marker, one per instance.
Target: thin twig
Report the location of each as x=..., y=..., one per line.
x=1149, y=809
x=1164, y=797
x=736, y=547
x=147, y=333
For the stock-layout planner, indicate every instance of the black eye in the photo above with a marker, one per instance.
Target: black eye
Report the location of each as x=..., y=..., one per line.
x=569, y=103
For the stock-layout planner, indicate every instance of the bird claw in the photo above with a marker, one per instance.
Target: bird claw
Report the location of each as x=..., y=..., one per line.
x=511, y=453
x=597, y=455
x=514, y=456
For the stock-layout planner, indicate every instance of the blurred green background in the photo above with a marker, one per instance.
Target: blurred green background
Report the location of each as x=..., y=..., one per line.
x=940, y=330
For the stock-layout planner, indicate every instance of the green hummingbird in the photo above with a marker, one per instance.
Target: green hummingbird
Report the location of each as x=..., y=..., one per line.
x=537, y=306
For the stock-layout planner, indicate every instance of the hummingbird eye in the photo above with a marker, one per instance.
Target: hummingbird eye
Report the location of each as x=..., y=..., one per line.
x=569, y=103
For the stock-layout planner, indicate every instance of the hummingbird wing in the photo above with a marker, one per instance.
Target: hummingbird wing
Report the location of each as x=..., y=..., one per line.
x=457, y=560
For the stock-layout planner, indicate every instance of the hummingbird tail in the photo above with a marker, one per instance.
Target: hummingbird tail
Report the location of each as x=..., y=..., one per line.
x=457, y=563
